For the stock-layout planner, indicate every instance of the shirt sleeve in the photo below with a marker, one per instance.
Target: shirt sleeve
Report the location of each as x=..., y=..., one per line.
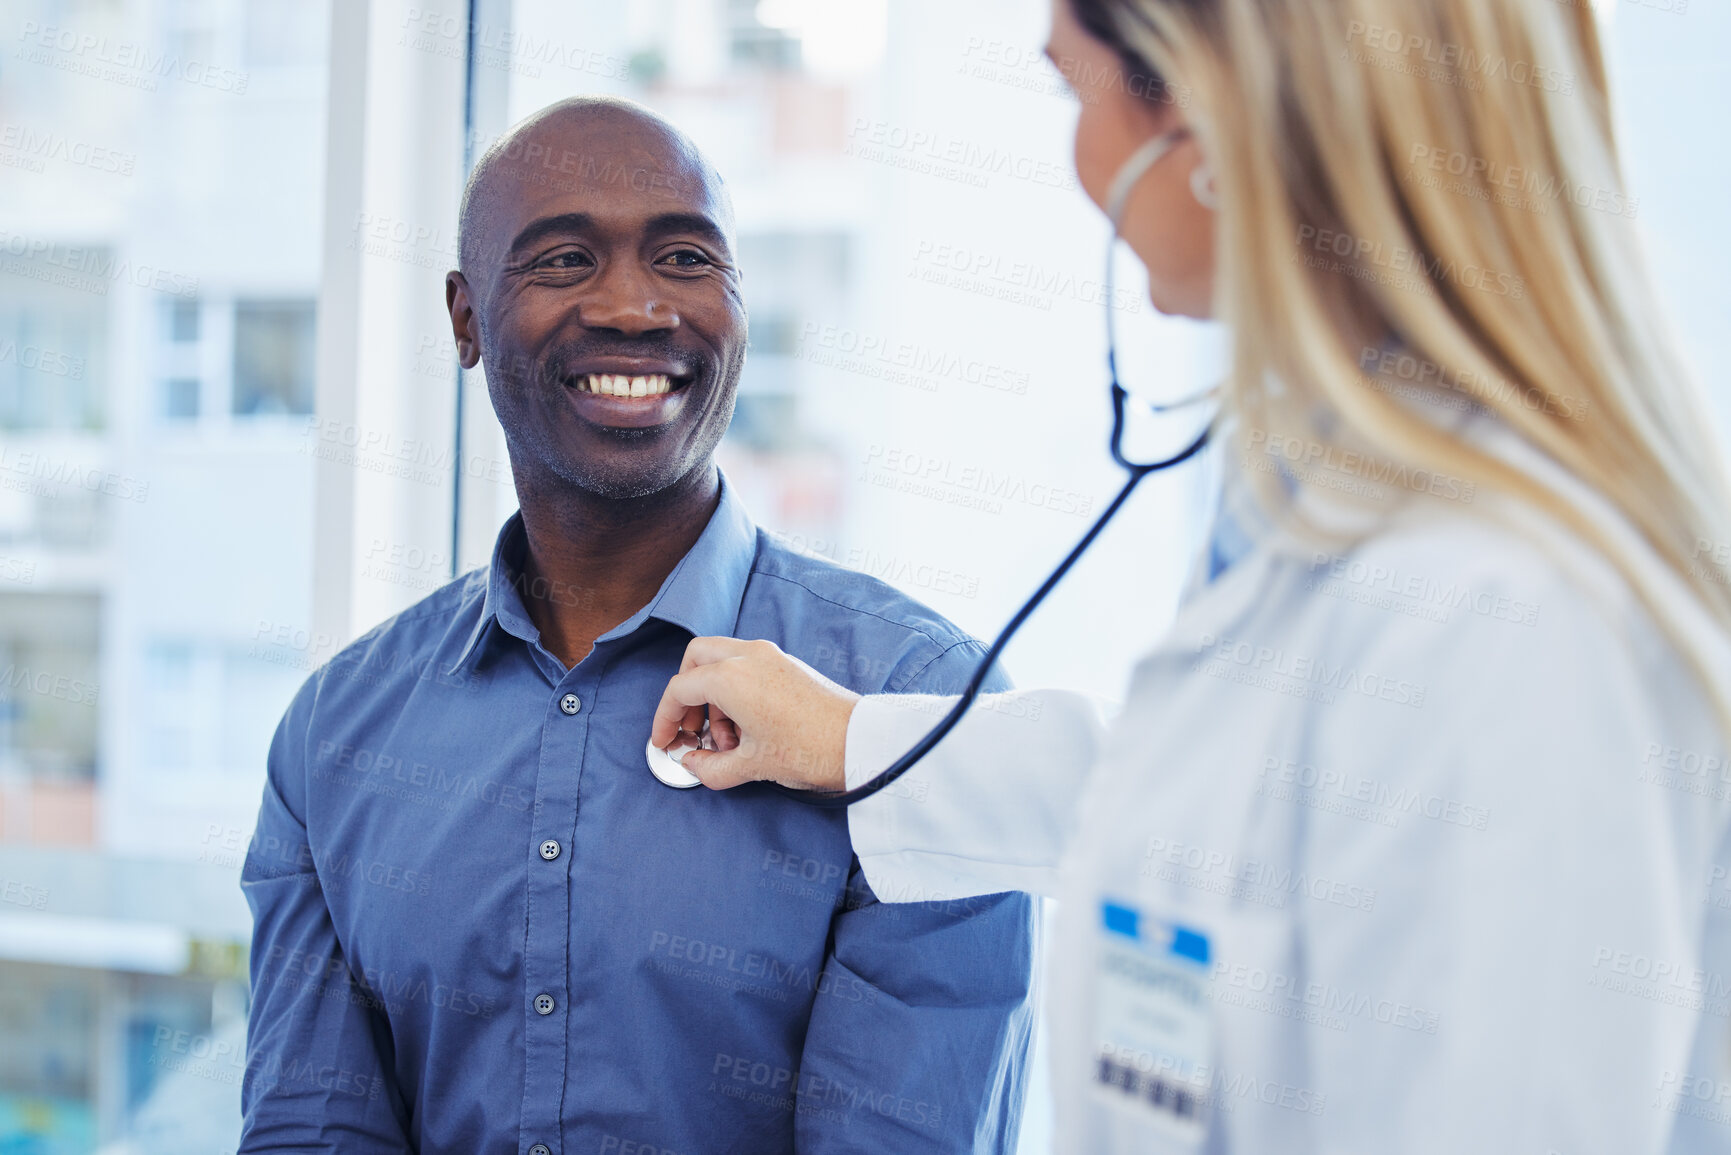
x=318, y=1049
x=920, y=1032
x=990, y=808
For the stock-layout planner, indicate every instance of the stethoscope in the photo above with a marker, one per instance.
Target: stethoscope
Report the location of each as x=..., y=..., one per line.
x=668, y=770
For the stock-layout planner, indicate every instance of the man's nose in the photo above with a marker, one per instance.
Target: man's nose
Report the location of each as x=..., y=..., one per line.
x=624, y=300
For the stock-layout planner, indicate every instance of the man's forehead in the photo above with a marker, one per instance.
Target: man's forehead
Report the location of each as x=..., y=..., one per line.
x=608, y=165
x=602, y=157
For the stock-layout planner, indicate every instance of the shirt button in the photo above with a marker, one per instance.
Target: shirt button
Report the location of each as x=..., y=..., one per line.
x=570, y=703
x=549, y=850
x=540, y=1149
x=543, y=1004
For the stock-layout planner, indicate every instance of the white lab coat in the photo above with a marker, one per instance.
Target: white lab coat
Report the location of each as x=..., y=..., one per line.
x=1464, y=880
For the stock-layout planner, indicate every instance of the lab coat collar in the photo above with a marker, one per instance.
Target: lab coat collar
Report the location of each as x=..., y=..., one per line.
x=1240, y=525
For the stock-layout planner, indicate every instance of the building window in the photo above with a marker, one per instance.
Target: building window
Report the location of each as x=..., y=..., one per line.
x=273, y=357
x=212, y=707
x=182, y=321
x=180, y=368
x=53, y=338
x=48, y=690
x=180, y=397
x=752, y=43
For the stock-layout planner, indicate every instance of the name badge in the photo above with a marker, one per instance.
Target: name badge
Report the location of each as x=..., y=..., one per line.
x=1154, y=1029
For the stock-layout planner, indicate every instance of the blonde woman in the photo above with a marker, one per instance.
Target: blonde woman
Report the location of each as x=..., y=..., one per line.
x=1412, y=834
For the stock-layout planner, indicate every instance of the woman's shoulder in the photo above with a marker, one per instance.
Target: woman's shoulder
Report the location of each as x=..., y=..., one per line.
x=1478, y=628
x=1505, y=639
x=1496, y=575
x=1417, y=595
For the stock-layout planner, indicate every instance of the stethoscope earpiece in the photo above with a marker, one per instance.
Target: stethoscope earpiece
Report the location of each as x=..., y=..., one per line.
x=1202, y=187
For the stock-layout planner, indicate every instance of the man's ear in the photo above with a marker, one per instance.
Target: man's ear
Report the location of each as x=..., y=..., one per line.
x=465, y=326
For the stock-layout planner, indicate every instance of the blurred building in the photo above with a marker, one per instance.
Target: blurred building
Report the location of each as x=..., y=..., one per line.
x=160, y=189
x=162, y=205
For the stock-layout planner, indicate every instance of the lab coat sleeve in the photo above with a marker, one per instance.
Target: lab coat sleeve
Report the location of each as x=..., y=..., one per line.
x=1478, y=994
x=318, y=1050
x=991, y=808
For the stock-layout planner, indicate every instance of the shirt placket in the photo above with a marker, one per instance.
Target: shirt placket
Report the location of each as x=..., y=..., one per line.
x=546, y=957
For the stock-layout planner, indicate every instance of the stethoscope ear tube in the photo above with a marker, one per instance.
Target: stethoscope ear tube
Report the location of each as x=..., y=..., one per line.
x=1134, y=168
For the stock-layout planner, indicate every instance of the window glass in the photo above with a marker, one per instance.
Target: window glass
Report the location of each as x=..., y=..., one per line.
x=161, y=200
x=273, y=357
x=54, y=321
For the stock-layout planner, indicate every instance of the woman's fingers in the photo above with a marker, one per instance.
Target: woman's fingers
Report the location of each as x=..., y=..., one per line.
x=692, y=722
x=683, y=702
x=706, y=651
x=696, y=699
x=718, y=770
x=723, y=731
x=770, y=715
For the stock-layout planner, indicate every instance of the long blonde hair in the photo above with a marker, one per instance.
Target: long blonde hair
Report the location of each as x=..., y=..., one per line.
x=1437, y=180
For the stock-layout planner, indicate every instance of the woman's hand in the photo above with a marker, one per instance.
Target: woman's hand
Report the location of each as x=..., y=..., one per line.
x=771, y=716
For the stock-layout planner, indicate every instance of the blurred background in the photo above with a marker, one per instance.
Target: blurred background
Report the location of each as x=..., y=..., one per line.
x=233, y=434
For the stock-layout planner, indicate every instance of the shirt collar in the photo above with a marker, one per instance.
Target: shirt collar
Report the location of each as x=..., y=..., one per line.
x=701, y=596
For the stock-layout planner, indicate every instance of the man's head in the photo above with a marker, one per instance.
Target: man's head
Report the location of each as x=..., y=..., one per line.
x=597, y=259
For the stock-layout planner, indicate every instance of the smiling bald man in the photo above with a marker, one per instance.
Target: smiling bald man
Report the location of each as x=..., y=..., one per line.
x=480, y=924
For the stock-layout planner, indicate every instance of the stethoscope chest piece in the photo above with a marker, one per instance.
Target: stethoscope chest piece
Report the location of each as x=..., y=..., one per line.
x=667, y=771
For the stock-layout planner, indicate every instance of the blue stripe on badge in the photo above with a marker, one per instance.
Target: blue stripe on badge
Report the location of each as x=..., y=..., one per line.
x=1189, y=944
x=1121, y=920
x=1184, y=942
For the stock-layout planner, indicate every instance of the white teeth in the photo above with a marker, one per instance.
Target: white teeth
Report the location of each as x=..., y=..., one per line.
x=618, y=385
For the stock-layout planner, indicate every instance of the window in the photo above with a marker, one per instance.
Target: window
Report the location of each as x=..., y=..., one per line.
x=53, y=339
x=278, y=35
x=211, y=707
x=180, y=397
x=47, y=1016
x=754, y=44
x=48, y=685
x=182, y=321
x=160, y=225
x=273, y=357
x=180, y=353
x=247, y=358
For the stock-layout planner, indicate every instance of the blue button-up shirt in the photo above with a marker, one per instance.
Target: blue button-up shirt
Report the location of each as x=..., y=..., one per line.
x=481, y=926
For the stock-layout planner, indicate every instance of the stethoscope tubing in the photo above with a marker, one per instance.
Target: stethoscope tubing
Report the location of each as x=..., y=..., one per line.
x=840, y=799
x=1129, y=173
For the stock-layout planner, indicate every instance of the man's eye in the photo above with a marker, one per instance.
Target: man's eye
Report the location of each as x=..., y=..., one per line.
x=570, y=259
x=686, y=259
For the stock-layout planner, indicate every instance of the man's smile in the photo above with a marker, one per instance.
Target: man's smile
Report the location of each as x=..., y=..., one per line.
x=619, y=385
x=629, y=392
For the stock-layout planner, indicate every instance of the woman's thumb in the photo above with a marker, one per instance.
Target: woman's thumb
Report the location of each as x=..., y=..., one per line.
x=717, y=769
